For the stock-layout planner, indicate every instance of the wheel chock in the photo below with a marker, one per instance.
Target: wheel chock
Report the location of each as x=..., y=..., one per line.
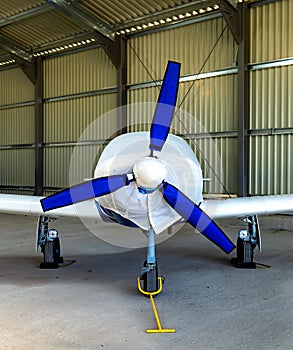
x=151, y=295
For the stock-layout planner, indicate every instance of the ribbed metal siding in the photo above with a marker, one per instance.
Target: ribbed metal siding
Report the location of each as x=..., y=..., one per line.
x=271, y=165
x=211, y=102
x=84, y=71
x=218, y=160
x=271, y=31
x=271, y=107
x=65, y=122
x=17, y=167
x=15, y=87
x=66, y=119
x=189, y=45
x=16, y=127
x=271, y=98
x=61, y=167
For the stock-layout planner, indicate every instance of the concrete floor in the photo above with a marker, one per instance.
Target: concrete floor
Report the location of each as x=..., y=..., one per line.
x=94, y=303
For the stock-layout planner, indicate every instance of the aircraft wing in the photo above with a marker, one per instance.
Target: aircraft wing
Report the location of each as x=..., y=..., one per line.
x=216, y=209
x=246, y=206
x=30, y=205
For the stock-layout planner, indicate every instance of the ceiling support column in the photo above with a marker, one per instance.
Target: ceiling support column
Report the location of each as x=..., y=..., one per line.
x=39, y=129
x=121, y=85
x=237, y=21
x=34, y=71
x=243, y=104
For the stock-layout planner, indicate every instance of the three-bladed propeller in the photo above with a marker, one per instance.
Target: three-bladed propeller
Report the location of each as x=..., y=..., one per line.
x=174, y=197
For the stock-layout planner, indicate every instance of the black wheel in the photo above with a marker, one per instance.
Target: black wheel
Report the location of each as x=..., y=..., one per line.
x=51, y=251
x=244, y=251
x=150, y=279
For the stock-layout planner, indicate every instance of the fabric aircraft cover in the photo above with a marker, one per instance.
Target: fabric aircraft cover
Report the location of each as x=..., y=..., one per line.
x=196, y=217
x=183, y=171
x=165, y=107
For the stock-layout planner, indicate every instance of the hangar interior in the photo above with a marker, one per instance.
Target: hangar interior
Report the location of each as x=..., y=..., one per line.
x=65, y=64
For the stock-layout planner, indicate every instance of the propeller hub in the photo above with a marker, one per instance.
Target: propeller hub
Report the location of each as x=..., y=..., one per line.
x=149, y=173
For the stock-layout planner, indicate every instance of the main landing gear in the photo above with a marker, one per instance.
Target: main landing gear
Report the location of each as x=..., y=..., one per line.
x=149, y=273
x=48, y=240
x=246, y=244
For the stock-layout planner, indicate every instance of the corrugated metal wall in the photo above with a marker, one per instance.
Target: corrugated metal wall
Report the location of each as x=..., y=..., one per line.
x=77, y=89
x=271, y=100
x=271, y=31
x=74, y=98
x=16, y=128
x=210, y=102
x=189, y=45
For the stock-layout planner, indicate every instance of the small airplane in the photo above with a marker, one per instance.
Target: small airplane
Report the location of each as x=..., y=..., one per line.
x=151, y=181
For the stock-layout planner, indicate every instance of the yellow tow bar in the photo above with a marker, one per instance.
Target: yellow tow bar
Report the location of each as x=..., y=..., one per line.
x=151, y=295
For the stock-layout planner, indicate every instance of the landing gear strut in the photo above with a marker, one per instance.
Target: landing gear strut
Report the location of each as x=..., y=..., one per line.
x=246, y=244
x=149, y=272
x=48, y=241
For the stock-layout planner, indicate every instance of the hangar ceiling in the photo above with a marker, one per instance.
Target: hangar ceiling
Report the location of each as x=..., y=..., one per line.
x=44, y=27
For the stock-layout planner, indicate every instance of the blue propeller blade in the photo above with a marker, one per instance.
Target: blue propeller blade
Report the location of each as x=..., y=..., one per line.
x=165, y=107
x=84, y=191
x=196, y=217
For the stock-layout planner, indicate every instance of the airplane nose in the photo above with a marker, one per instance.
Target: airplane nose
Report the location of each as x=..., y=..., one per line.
x=149, y=173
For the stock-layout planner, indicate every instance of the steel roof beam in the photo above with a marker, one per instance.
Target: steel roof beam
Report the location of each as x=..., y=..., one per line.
x=13, y=48
x=29, y=68
x=163, y=14
x=23, y=59
x=233, y=19
x=82, y=17
x=104, y=35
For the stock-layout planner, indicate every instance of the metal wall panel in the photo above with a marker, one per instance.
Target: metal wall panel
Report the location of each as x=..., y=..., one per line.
x=271, y=98
x=17, y=167
x=15, y=87
x=271, y=165
x=210, y=102
x=17, y=125
x=69, y=165
x=66, y=120
x=271, y=107
x=80, y=72
x=218, y=160
x=189, y=45
x=210, y=106
x=271, y=31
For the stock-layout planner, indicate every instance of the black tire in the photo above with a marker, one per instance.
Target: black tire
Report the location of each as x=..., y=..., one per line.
x=244, y=251
x=150, y=279
x=52, y=251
